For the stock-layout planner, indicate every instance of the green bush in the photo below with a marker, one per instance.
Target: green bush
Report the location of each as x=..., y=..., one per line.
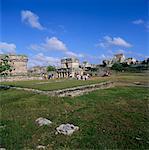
x=117, y=67
x=51, y=68
x=5, y=66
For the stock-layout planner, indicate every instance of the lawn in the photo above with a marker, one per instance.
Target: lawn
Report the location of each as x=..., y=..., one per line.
x=47, y=85
x=115, y=118
x=133, y=77
x=54, y=84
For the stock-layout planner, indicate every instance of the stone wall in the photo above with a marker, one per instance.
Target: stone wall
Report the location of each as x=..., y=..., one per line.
x=80, y=90
x=18, y=78
x=76, y=91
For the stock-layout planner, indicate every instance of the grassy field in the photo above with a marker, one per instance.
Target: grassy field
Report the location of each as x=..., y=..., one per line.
x=54, y=84
x=143, y=78
x=115, y=118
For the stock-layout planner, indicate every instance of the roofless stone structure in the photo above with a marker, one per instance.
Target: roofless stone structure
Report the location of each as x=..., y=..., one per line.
x=69, y=67
x=19, y=64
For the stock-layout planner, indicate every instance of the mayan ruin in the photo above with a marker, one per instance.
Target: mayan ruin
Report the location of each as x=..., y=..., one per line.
x=74, y=75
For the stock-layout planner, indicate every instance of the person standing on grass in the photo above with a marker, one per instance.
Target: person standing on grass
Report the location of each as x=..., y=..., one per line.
x=43, y=76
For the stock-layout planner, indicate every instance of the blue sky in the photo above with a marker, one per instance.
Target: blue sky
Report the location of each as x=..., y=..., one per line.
x=92, y=30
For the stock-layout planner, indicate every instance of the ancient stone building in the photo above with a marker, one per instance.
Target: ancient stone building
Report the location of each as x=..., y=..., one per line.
x=130, y=61
x=19, y=64
x=69, y=68
x=118, y=58
x=70, y=63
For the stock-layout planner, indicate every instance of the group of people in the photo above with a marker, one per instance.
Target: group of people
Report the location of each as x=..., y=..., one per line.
x=77, y=76
x=83, y=77
x=46, y=77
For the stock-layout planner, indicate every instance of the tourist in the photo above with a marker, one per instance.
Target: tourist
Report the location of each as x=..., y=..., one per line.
x=43, y=76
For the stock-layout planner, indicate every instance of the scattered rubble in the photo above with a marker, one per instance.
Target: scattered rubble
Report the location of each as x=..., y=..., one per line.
x=66, y=129
x=43, y=121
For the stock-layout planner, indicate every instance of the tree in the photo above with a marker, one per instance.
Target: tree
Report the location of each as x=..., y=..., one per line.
x=145, y=61
x=50, y=68
x=124, y=64
x=5, y=66
x=117, y=67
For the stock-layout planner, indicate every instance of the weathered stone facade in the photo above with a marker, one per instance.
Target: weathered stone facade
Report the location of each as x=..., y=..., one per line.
x=118, y=58
x=70, y=67
x=70, y=63
x=19, y=64
x=130, y=61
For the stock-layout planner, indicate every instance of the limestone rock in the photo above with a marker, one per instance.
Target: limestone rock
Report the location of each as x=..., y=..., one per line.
x=40, y=147
x=66, y=129
x=43, y=121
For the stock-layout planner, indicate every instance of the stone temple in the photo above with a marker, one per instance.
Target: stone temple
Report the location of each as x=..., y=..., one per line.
x=69, y=67
x=19, y=64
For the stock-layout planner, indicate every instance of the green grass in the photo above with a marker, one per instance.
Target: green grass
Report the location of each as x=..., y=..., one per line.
x=54, y=84
x=133, y=77
x=108, y=119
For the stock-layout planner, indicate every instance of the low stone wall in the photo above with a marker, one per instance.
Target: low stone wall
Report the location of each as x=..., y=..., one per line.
x=18, y=78
x=80, y=90
x=76, y=91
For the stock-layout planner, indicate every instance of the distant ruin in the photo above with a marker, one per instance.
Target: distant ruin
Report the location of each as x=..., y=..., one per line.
x=18, y=63
x=119, y=58
x=69, y=67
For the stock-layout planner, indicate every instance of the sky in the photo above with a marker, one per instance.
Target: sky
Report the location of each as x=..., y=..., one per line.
x=91, y=30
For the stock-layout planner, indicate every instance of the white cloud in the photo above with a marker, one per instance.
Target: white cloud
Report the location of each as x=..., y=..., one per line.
x=52, y=43
x=41, y=60
x=31, y=19
x=9, y=48
x=113, y=41
x=34, y=47
x=103, y=57
x=120, y=51
x=139, y=21
x=142, y=22
x=72, y=54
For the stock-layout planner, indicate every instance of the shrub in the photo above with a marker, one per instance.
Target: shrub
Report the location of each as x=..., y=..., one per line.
x=5, y=66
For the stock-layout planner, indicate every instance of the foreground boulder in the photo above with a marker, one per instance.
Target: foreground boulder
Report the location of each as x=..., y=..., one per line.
x=66, y=129
x=43, y=121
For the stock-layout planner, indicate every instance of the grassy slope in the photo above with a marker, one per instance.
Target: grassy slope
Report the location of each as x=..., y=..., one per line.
x=111, y=118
